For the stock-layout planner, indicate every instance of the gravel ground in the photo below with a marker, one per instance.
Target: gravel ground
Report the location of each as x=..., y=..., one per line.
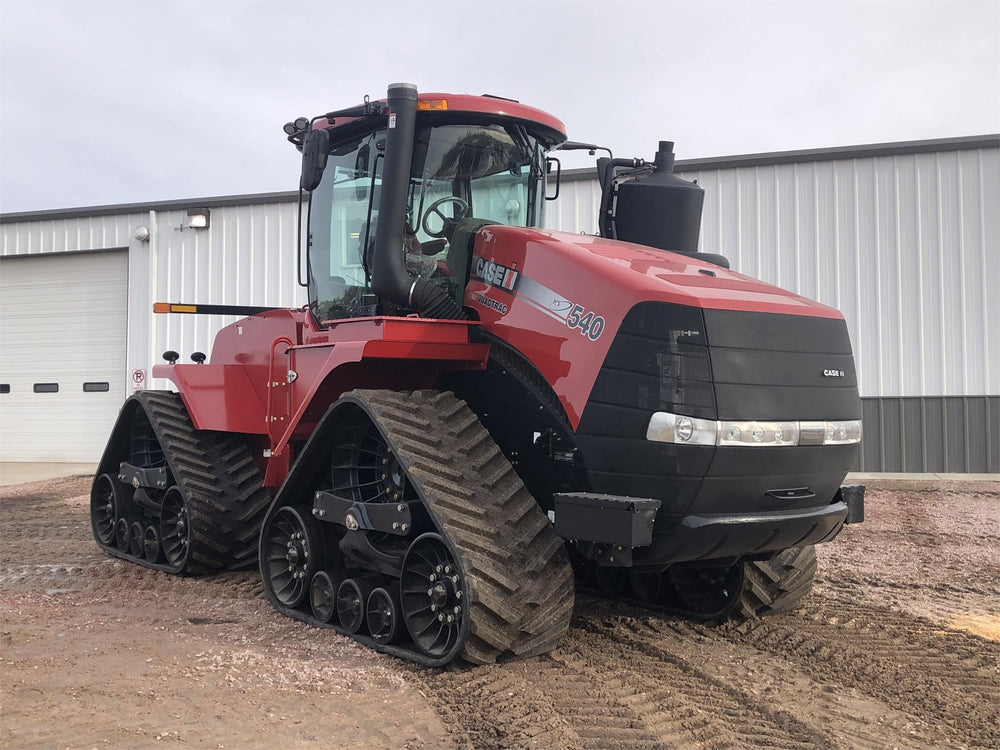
x=896, y=647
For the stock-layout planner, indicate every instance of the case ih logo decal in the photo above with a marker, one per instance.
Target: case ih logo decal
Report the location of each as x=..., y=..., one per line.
x=833, y=373
x=574, y=316
x=496, y=275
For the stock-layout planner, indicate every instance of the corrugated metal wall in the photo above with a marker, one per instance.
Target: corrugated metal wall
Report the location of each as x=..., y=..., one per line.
x=905, y=241
x=75, y=234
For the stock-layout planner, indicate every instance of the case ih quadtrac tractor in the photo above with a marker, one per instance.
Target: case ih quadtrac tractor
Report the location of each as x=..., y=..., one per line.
x=472, y=409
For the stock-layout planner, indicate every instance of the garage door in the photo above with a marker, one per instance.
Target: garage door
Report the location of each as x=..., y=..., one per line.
x=62, y=354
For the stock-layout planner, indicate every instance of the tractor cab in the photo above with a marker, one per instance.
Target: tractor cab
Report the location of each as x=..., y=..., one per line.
x=466, y=169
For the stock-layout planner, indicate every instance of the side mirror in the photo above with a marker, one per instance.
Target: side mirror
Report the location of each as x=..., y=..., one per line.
x=315, y=149
x=552, y=164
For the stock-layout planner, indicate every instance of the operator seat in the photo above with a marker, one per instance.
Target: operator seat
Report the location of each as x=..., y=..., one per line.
x=460, y=252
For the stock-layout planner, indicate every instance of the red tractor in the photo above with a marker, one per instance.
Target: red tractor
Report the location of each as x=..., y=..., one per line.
x=472, y=409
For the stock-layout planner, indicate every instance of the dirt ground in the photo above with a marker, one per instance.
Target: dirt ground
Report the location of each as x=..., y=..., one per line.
x=897, y=647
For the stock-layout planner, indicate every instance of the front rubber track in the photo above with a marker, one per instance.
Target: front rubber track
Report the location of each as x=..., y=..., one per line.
x=519, y=579
x=776, y=585
x=217, y=476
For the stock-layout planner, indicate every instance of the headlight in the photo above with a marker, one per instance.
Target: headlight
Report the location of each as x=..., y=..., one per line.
x=679, y=429
x=675, y=428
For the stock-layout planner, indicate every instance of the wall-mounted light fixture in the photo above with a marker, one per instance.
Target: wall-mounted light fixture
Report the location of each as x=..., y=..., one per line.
x=199, y=218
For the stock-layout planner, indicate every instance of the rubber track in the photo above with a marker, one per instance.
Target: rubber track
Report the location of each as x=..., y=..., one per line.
x=776, y=585
x=519, y=577
x=220, y=482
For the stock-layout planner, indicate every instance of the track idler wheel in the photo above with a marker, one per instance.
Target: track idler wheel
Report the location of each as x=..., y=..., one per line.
x=433, y=595
x=104, y=507
x=292, y=554
x=323, y=594
x=385, y=621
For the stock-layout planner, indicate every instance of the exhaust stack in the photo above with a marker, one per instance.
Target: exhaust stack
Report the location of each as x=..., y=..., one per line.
x=390, y=279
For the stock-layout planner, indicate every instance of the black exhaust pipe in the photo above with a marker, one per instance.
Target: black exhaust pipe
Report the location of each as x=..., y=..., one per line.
x=390, y=279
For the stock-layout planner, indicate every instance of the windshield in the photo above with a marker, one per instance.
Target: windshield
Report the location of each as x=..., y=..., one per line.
x=463, y=177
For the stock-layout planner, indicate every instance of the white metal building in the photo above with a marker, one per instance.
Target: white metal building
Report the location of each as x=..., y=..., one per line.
x=904, y=238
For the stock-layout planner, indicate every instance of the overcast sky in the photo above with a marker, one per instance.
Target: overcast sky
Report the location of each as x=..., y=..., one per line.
x=119, y=102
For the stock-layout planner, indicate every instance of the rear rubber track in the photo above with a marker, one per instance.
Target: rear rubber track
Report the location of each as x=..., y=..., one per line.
x=218, y=478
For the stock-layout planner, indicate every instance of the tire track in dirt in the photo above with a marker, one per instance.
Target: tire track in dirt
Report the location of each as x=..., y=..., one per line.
x=767, y=690
x=637, y=682
x=950, y=679
x=675, y=699
x=835, y=676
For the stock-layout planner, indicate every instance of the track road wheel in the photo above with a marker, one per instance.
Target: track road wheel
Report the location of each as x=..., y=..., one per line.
x=291, y=546
x=135, y=533
x=122, y=534
x=104, y=505
x=777, y=585
x=385, y=621
x=323, y=594
x=648, y=586
x=151, y=544
x=351, y=598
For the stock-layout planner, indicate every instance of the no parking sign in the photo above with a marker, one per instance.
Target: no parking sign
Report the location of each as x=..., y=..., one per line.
x=138, y=379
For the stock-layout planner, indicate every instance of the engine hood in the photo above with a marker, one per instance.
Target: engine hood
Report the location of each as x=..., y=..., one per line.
x=651, y=275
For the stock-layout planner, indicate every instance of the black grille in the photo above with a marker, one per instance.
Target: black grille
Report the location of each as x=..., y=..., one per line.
x=770, y=366
x=715, y=364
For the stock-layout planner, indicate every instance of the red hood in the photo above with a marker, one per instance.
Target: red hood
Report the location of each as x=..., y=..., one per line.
x=666, y=276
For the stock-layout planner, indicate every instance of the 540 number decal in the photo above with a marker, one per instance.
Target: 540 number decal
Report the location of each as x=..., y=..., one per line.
x=590, y=325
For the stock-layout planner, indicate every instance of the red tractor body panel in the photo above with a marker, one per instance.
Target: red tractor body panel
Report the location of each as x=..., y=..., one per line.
x=249, y=387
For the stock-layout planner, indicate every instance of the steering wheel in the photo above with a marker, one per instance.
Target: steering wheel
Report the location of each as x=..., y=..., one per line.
x=447, y=223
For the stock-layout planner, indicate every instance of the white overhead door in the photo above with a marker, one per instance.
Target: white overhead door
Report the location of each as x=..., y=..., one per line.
x=62, y=354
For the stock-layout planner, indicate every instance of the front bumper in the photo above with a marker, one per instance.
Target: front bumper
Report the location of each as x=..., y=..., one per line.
x=597, y=527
